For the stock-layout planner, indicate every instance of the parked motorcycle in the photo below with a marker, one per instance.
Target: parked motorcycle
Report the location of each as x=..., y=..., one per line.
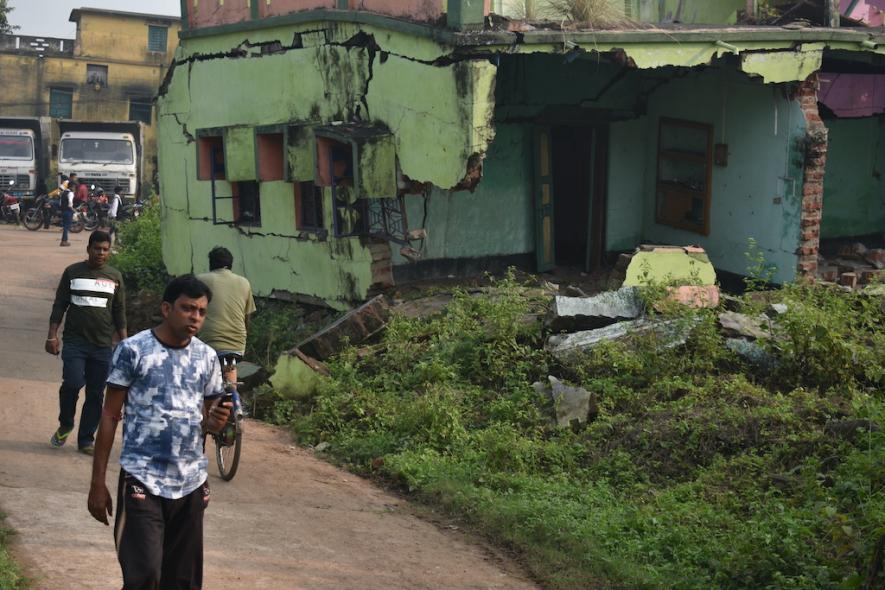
x=10, y=207
x=46, y=212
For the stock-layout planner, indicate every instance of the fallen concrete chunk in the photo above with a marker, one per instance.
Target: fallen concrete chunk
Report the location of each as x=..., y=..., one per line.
x=572, y=404
x=776, y=309
x=297, y=375
x=738, y=325
x=358, y=325
x=673, y=332
x=584, y=313
x=705, y=296
x=752, y=352
x=687, y=265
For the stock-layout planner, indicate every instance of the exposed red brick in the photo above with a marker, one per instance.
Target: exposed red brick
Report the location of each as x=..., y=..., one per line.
x=848, y=279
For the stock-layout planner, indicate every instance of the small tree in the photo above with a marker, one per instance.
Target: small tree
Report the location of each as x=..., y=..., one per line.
x=5, y=27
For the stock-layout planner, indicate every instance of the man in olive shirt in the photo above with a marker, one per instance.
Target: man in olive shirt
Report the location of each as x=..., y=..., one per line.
x=232, y=302
x=91, y=294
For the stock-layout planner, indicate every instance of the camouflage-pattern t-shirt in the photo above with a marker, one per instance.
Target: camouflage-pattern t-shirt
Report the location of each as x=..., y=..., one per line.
x=162, y=436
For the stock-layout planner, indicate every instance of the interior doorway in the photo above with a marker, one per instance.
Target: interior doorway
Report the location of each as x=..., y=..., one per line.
x=579, y=163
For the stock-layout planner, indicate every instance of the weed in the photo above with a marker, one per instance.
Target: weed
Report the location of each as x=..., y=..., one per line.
x=697, y=472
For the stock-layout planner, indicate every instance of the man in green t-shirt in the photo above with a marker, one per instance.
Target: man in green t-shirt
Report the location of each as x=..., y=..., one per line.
x=91, y=295
x=228, y=314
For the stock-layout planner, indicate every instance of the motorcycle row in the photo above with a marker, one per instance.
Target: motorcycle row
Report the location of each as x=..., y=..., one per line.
x=45, y=211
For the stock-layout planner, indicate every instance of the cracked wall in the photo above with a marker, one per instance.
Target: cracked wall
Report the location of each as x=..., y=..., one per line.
x=315, y=74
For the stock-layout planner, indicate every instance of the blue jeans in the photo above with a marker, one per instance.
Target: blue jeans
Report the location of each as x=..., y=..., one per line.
x=84, y=364
x=67, y=216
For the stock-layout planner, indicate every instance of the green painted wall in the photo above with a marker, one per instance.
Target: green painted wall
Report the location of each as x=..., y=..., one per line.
x=626, y=184
x=689, y=11
x=326, y=78
x=854, y=191
x=758, y=194
x=496, y=219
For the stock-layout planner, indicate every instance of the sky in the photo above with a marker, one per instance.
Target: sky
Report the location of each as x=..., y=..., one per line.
x=49, y=18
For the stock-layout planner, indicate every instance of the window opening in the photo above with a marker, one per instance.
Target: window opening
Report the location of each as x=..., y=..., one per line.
x=97, y=76
x=308, y=206
x=140, y=109
x=157, y=38
x=246, y=203
x=61, y=102
x=684, y=176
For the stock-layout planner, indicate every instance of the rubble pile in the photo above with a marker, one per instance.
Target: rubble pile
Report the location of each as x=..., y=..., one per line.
x=853, y=265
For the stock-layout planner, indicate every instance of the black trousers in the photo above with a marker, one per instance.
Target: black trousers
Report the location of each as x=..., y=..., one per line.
x=159, y=541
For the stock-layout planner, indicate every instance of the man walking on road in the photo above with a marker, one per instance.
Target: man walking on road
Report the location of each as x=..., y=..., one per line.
x=232, y=303
x=91, y=294
x=167, y=383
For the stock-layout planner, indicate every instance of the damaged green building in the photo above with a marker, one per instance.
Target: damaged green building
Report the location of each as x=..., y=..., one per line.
x=341, y=147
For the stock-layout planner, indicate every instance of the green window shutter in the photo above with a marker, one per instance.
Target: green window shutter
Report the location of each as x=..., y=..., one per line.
x=376, y=169
x=239, y=153
x=157, y=38
x=61, y=103
x=300, y=154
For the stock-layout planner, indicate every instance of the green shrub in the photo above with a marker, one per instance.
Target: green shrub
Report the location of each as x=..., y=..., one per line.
x=697, y=471
x=138, y=252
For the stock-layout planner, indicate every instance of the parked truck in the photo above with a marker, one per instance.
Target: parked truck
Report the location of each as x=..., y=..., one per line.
x=104, y=154
x=23, y=155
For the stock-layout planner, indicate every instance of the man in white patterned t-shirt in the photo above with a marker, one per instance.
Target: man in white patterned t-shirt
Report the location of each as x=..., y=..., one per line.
x=165, y=385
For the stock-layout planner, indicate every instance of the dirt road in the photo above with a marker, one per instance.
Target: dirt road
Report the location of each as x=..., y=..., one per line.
x=287, y=521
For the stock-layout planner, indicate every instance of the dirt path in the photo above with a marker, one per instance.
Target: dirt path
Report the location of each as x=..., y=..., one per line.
x=287, y=521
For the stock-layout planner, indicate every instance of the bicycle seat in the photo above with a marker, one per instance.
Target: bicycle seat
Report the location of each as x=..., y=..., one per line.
x=229, y=356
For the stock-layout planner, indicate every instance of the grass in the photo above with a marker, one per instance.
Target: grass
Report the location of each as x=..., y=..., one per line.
x=698, y=470
x=11, y=577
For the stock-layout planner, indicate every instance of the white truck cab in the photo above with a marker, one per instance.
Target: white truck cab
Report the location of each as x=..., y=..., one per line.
x=104, y=159
x=18, y=162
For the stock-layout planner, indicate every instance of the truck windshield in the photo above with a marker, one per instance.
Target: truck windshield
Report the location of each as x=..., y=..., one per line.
x=16, y=147
x=111, y=151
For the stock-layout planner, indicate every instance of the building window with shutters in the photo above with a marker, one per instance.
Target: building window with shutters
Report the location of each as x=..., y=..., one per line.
x=140, y=109
x=157, y=37
x=61, y=103
x=96, y=76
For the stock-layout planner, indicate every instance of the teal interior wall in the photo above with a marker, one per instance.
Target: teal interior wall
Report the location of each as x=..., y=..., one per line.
x=706, y=12
x=494, y=220
x=854, y=191
x=758, y=194
x=626, y=184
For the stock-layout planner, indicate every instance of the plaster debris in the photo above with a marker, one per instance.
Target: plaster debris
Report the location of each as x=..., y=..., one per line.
x=572, y=405
x=579, y=313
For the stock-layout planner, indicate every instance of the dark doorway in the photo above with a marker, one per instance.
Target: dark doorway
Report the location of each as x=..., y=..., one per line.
x=579, y=178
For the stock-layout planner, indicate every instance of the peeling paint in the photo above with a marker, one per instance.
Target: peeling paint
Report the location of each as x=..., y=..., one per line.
x=784, y=66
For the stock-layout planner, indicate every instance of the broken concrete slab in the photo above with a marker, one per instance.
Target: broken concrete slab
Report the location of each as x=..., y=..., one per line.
x=752, y=352
x=697, y=296
x=297, y=375
x=738, y=325
x=586, y=313
x=357, y=326
x=571, y=404
x=687, y=265
x=671, y=332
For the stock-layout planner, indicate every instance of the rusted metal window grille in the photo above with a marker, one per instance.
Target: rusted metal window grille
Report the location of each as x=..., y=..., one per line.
x=157, y=37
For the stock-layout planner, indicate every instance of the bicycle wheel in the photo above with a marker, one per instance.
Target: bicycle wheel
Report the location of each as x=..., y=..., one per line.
x=228, y=445
x=33, y=219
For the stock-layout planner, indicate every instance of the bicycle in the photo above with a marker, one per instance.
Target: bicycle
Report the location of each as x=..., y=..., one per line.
x=229, y=440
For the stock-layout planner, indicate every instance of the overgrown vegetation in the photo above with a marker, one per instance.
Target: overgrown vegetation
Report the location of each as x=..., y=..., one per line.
x=697, y=470
x=596, y=13
x=11, y=577
x=139, y=254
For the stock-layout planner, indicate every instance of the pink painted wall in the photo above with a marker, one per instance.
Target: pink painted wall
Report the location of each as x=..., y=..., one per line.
x=209, y=13
x=872, y=12
x=853, y=95
x=280, y=7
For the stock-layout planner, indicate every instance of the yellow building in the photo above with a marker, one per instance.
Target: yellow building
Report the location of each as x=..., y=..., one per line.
x=110, y=72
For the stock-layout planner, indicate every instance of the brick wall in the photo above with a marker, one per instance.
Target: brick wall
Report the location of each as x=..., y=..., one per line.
x=813, y=183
